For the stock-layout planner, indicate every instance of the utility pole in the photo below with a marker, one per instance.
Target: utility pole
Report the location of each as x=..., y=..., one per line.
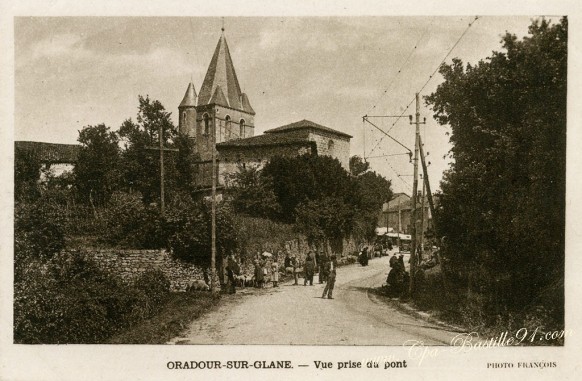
x=413, y=258
x=421, y=238
x=213, y=228
x=161, y=148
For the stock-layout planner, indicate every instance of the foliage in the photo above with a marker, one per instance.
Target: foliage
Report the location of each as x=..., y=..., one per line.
x=96, y=171
x=373, y=191
x=140, y=158
x=26, y=175
x=358, y=166
x=172, y=320
x=68, y=299
x=503, y=200
x=130, y=223
x=253, y=193
x=38, y=233
x=189, y=231
x=316, y=192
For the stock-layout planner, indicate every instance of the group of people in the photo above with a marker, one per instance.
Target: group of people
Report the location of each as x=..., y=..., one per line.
x=398, y=278
x=314, y=262
x=325, y=266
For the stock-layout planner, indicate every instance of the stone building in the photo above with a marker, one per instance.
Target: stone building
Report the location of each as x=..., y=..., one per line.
x=56, y=158
x=398, y=212
x=222, y=118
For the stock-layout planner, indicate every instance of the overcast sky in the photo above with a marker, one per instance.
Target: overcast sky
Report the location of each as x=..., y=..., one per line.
x=78, y=71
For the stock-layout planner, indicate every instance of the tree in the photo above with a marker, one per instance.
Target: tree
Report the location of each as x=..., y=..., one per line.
x=253, y=193
x=96, y=172
x=503, y=200
x=140, y=164
x=374, y=191
x=358, y=166
x=26, y=174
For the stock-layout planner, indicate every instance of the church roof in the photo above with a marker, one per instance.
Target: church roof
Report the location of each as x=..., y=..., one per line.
x=221, y=74
x=218, y=97
x=189, y=97
x=305, y=125
x=50, y=152
x=294, y=137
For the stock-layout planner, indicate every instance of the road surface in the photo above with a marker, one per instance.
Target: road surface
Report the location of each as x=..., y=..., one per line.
x=297, y=315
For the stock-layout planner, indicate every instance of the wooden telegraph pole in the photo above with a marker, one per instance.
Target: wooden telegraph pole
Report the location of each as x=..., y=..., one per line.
x=161, y=148
x=413, y=258
x=213, y=228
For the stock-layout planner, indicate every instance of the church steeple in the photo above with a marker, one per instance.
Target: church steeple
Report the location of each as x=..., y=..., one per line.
x=221, y=74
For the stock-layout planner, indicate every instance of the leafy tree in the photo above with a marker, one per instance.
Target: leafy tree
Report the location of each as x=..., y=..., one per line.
x=141, y=163
x=297, y=180
x=253, y=193
x=26, y=174
x=503, y=200
x=96, y=172
x=374, y=190
x=358, y=166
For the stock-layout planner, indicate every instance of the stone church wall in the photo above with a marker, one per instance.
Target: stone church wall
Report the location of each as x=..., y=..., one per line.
x=340, y=148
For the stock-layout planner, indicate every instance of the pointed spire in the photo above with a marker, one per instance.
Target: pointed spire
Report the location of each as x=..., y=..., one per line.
x=221, y=73
x=189, y=97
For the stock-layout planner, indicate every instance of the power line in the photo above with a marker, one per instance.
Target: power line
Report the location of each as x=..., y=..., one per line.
x=428, y=80
x=401, y=67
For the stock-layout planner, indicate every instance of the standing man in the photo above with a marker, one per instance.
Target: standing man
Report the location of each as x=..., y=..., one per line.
x=330, y=270
x=232, y=269
x=321, y=264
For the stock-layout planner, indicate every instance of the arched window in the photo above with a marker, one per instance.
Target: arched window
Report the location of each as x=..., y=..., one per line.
x=184, y=118
x=206, y=124
x=242, y=129
x=330, y=145
x=228, y=127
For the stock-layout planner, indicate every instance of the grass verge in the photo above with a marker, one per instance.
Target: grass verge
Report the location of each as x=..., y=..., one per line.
x=171, y=321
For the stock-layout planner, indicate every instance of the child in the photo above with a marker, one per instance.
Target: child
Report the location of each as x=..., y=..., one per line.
x=275, y=273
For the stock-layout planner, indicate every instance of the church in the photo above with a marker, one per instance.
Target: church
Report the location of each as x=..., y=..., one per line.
x=221, y=117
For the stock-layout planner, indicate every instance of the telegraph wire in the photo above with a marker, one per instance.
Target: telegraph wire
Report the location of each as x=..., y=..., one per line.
x=402, y=67
x=428, y=80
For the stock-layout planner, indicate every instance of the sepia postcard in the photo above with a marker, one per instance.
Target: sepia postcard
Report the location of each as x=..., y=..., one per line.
x=290, y=190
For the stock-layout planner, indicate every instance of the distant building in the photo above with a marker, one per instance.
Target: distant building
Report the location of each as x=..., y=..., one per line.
x=398, y=211
x=56, y=157
x=222, y=111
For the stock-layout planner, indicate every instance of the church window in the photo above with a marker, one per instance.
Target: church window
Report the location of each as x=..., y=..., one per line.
x=242, y=128
x=206, y=124
x=227, y=127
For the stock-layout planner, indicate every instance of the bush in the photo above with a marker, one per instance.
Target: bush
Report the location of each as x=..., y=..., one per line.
x=153, y=287
x=132, y=224
x=69, y=299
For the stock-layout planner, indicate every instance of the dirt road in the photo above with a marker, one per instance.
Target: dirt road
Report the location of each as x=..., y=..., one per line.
x=297, y=315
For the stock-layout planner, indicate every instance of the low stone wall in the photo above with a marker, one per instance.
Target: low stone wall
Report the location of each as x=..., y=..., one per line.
x=129, y=264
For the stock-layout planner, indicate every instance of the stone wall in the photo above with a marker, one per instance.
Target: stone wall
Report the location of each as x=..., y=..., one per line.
x=129, y=264
x=338, y=149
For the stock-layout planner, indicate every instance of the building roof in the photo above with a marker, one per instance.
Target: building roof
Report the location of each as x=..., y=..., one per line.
x=306, y=125
x=221, y=74
x=190, y=97
x=294, y=137
x=53, y=153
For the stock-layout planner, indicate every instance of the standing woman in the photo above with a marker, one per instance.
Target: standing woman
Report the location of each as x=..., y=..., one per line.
x=275, y=272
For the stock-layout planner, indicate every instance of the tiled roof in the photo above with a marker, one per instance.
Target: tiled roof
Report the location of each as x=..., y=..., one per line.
x=221, y=73
x=189, y=97
x=306, y=125
x=50, y=152
x=294, y=137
